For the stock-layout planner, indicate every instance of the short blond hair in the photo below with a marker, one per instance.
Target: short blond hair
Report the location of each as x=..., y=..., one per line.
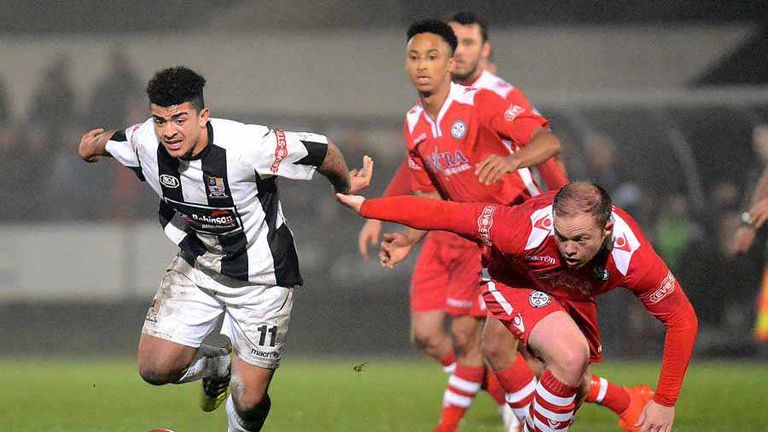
x=583, y=197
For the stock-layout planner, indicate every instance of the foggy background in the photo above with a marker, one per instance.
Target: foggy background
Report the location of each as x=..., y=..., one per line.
x=664, y=103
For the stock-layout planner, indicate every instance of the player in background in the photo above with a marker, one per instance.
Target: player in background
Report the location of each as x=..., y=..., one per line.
x=237, y=264
x=472, y=58
x=751, y=221
x=570, y=247
x=460, y=146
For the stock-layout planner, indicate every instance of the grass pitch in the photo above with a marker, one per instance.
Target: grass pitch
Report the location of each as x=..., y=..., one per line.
x=91, y=396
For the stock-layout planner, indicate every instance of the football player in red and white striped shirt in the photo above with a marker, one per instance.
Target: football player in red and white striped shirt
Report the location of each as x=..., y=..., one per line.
x=546, y=261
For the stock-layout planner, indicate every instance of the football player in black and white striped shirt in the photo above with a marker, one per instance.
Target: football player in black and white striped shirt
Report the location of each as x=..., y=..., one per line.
x=237, y=264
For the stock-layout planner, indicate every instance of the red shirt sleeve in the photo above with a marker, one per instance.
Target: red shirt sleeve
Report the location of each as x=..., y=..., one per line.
x=553, y=174
x=661, y=294
x=400, y=184
x=508, y=119
x=492, y=224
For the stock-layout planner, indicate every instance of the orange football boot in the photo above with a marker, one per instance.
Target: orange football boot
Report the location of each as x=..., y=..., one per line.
x=639, y=396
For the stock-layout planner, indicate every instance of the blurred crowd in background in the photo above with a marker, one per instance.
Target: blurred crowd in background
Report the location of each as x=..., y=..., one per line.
x=683, y=170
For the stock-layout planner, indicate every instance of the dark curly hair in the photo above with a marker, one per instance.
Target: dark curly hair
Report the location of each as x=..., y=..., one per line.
x=175, y=86
x=433, y=26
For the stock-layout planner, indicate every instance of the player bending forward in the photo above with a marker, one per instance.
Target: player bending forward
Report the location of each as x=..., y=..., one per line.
x=217, y=182
x=572, y=246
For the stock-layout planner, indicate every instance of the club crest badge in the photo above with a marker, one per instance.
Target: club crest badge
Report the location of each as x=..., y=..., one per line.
x=538, y=299
x=601, y=273
x=458, y=129
x=216, y=187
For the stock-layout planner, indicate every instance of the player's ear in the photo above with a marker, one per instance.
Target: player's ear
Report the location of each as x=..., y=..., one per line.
x=204, y=116
x=485, y=51
x=450, y=64
x=608, y=230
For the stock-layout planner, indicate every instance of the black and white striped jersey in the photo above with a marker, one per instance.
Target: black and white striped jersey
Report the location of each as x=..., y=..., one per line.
x=222, y=207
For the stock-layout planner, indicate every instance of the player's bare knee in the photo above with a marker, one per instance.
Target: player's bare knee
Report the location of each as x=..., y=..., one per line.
x=463, y=339
x=156, y=374
x=570, y=363
x=425, y=339
x=498, y=353
x=249, y=402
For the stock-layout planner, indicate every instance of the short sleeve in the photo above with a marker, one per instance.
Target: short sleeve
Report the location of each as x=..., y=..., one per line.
x=122, y=146
x=510, y=120
x=294, y=155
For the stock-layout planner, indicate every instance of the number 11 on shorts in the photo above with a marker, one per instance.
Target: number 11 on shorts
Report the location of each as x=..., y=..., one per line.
x=263, y=330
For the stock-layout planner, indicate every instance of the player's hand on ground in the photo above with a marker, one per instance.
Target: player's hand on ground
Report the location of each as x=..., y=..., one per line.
x=360, y=179
x=352, y=201
x=92, y=144
x=369, y=236
x=742, y=240
x=656, y=418
x=394, y=249
x=493, y=168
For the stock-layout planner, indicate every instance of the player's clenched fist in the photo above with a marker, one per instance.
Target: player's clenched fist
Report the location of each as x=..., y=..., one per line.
x=93, y=143
x=493, y=168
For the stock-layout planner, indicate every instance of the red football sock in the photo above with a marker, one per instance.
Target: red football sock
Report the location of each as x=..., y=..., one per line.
x=608, y=394
x=492, y=385
x=519, y=384
x=462, y=387
x=553, y=406
x=449, y=361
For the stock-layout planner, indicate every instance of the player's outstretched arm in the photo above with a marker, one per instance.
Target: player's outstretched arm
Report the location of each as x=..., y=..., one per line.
x=94, y=144
x=334, y=168
x=419, y=213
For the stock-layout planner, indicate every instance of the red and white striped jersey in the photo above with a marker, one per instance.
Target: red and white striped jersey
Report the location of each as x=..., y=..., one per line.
x=471, y=125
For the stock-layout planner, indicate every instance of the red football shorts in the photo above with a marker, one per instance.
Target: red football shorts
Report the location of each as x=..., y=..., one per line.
x=447, y=276
x=520, y=309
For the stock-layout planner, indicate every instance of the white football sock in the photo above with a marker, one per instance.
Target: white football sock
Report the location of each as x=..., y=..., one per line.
x=211, y=361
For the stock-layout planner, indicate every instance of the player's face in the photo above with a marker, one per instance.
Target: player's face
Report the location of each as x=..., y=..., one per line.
x=470, y=50
x=579, y=238
x=428, y=62
x=178, y=128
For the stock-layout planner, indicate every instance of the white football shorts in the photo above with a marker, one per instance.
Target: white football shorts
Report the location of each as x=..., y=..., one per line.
x=190, y=303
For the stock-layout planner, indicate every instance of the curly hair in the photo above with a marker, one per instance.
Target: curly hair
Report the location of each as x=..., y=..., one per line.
x=433, y=26
x=176, y=85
